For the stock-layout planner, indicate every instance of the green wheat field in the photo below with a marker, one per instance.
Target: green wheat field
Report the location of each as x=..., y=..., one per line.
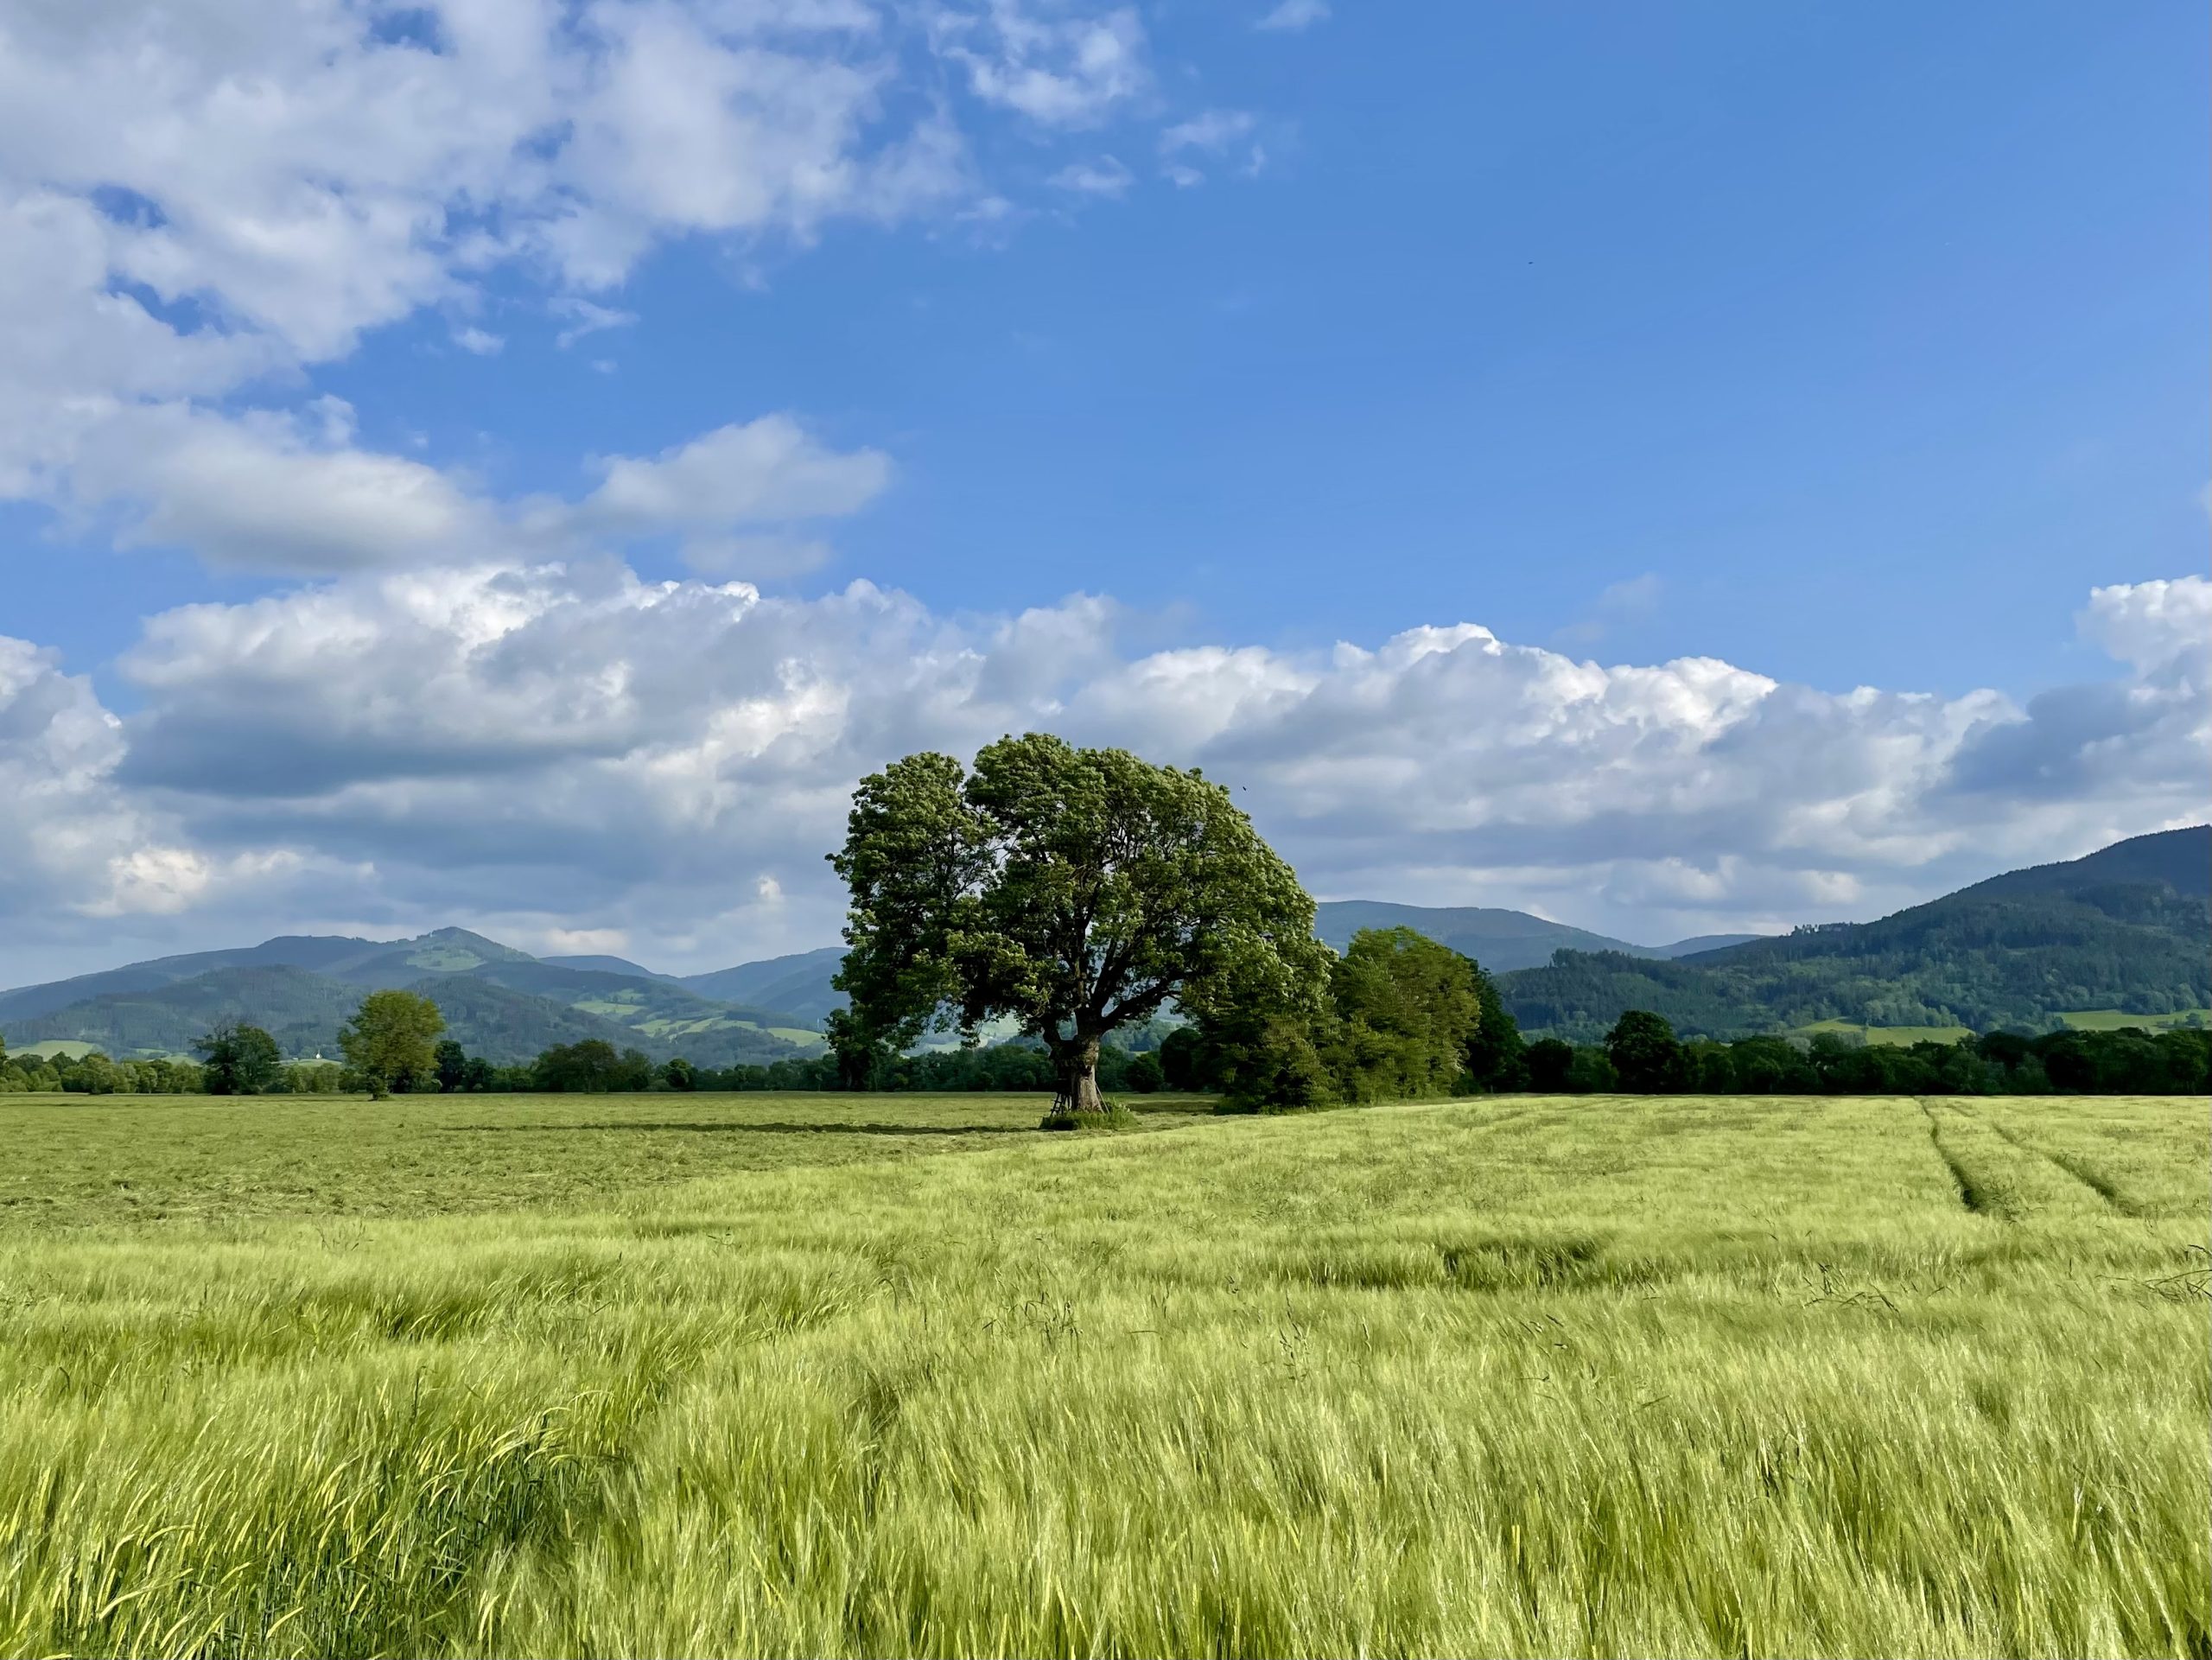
x=673, y=1375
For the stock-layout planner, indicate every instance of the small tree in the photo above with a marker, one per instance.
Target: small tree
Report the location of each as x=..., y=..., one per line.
x=583, y=1068
x=1182, y=1060
x=388, y=1042
x=451, y=1062
x=1646, y=1055
x=238, y=1059
x=680, y=1074
x=95, y=1074
x=1497, y=1055
x=1406, y=1008
x=1550, y=1062
x=1266, y=1061
x=1074, y=890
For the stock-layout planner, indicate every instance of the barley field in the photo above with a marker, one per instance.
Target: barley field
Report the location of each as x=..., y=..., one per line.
x=890, y=1375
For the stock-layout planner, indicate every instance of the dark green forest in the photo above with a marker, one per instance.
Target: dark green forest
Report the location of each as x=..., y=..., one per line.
x=2128, y=928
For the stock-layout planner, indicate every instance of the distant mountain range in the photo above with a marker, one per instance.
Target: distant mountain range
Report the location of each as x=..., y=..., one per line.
x=1499, y=940
x=2127, y=928
x=498, y=1002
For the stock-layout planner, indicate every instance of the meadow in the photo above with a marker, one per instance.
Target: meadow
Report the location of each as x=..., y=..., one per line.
x=2114, y=1020
x=1899, y=1035
x=898, y=1375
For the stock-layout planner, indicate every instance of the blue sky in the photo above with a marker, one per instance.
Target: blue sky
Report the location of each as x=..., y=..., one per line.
x=1848, y=345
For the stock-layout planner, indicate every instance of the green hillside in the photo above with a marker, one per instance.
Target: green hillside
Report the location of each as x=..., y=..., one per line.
x=505, y=1006
x=2126, y=929
x=447, y=950
x=651, y=1004
x=1498, y=939
x=661, y=1018
x=601, y=964
x=358, y=961
x=503, y=1024
x=301, y=1010
x=294, y=951
x=2124, y=932
x=799, y=983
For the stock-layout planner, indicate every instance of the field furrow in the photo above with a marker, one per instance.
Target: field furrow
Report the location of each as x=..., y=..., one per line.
x=1583, y=1375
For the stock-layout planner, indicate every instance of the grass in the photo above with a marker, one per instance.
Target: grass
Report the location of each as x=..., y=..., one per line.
x=75, y=1048
x=2112, y=1020
x=1900, y=1036
x=1529, y=1375
x=804, y=1036
x=76, y=1162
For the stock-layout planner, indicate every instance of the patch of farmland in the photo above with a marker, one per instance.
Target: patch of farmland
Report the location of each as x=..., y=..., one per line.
x=1526, y=1376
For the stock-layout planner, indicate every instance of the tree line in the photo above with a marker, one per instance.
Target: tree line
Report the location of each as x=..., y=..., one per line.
x=1406, y=1019
x=1089, y=899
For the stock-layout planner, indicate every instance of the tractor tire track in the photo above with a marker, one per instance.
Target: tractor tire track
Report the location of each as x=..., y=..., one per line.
x=1979, y=1196
x=2088, y=1174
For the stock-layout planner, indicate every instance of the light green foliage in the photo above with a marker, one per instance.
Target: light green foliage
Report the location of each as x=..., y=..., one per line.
x=1505, y=1377
x=2114, y=1020
x=1896, y=1036
x=390, y=1038
x=1074, y=890
x=1405, y=1008
x=76, y=1163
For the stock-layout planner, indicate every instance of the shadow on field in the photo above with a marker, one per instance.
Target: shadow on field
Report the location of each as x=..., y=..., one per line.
x=769, y=1129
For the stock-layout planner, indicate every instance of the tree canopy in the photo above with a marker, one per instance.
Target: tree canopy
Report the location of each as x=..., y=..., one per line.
x=238, y=1059
x=1405, y=1008
x=1647, y=1057
x=1076, y=891
x=389, y=1040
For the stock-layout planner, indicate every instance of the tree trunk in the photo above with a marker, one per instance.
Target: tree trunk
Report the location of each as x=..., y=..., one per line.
x=1078, y=1062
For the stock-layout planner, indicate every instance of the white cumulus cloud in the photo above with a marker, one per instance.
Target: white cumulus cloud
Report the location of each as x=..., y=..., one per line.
x=201, y=204
x=567, y=745
x=1293, y=15
x=1059, y=68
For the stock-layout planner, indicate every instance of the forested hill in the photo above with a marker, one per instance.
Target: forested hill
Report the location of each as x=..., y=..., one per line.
x=2127, y=928
x=499, y=1002
x=1498, y=939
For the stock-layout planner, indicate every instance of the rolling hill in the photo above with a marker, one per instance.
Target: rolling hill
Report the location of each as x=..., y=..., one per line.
x=2125, y=929
x=498, y=1002
x=2128, y=928
x=1499, y=940
x=799, y=983
x=301, y=1009
x=601, y=964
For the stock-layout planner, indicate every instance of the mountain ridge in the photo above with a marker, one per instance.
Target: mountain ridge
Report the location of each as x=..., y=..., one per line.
x=498, y=1002
x=2127, y=926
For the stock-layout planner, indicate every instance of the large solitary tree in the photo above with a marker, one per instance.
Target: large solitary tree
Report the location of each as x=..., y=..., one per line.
x=1073, y=890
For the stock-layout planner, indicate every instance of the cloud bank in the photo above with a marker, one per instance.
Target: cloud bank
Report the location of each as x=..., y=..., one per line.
x=454, y=705
x=562, y=747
